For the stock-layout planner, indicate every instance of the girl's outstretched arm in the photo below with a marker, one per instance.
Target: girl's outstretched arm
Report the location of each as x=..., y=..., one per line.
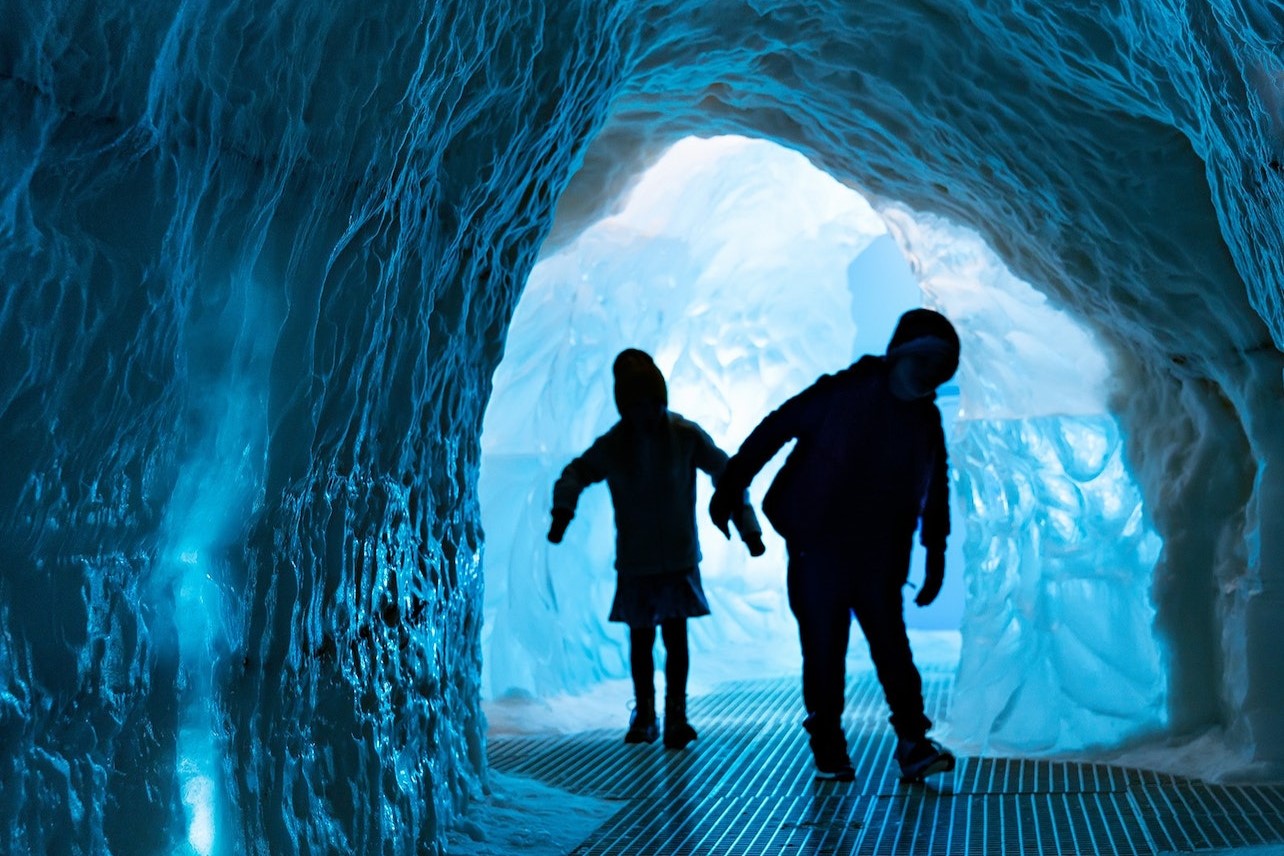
x=713, y=461
x=590, y=467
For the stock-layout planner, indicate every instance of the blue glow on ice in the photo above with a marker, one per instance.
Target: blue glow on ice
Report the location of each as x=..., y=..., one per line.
x=198, y=798
x=199, y=753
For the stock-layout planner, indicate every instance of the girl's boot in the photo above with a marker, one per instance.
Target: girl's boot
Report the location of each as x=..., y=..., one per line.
x=677, y=731
x=642, y=724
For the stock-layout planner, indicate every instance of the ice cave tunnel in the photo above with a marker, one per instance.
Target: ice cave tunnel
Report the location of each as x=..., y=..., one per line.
x=261, y=263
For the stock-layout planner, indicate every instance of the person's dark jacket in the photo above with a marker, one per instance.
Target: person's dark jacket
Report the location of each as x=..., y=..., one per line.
x=865, y=464
x=651, y=476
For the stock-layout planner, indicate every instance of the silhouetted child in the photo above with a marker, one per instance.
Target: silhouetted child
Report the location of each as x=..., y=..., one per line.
x=648, y=460
x=869, y=465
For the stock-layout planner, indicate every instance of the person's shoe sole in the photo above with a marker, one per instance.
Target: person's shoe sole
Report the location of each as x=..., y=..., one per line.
x=942, y=763
x=847, y=774
x=635, y=737
x=679, y=739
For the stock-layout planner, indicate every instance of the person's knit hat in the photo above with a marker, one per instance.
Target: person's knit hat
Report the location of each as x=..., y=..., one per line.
x=921, y=324
x=638, y=379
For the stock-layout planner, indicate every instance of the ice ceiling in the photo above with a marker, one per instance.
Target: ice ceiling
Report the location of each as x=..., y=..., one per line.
x=259, y=260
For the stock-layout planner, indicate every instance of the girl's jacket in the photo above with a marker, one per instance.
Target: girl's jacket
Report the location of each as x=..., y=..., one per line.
x=651, y=476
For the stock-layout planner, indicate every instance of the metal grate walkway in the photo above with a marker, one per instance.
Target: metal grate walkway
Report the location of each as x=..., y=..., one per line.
x=746, y=787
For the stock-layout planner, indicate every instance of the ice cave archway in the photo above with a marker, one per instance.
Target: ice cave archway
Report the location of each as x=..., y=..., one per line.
x=1111, y=215
x=259, y=260
x=748, y=273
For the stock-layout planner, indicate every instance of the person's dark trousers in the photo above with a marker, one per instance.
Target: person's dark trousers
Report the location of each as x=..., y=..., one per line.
x=826, y=587
x=677, y=659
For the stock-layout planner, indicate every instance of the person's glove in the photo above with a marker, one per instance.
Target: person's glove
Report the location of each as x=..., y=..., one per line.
x=724, y=504
x=753, y=541
x=561, y=519
x=934, y=577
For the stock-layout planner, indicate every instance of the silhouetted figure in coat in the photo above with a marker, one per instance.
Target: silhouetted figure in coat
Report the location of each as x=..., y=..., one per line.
x=869, y=468
x=648, y=460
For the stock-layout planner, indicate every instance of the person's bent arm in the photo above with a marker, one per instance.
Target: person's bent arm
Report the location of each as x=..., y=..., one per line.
x=585, y=470
x=778, y=428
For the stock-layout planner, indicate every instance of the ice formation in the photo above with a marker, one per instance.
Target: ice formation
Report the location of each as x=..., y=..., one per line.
x=259, y=260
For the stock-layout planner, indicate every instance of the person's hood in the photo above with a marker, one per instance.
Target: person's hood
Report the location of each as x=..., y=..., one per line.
x=931, y=329
x=638, y=379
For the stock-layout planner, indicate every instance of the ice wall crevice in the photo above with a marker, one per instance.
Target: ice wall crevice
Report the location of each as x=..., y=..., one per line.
x=329, y=210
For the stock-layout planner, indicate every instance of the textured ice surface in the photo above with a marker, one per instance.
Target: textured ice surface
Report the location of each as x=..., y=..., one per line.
x=1059, y=651
x=521, y=815
x=262, y=255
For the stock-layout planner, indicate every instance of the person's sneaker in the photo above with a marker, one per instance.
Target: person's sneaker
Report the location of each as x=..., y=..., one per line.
x=834, y=768
x=642, y=725
x=678, y=735
x=829, y=750
x=921, y=758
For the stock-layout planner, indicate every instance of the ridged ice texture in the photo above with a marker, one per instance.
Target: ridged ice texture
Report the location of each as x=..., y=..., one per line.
x=259, y=260
x=1059, y=653
x=257, y=263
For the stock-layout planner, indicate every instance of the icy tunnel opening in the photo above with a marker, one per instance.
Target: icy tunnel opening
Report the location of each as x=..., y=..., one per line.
x=748, y=272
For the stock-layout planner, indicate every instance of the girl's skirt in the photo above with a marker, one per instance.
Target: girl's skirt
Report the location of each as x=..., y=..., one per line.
x=646, y=600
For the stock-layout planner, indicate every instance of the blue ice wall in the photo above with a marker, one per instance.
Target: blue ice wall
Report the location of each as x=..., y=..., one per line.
x=1059, y=651
x=258, y=260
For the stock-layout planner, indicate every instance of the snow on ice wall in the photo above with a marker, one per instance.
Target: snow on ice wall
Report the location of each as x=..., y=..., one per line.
x=258, y=263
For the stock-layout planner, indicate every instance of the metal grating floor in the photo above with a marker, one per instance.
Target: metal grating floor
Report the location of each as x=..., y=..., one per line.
x=746, y=787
